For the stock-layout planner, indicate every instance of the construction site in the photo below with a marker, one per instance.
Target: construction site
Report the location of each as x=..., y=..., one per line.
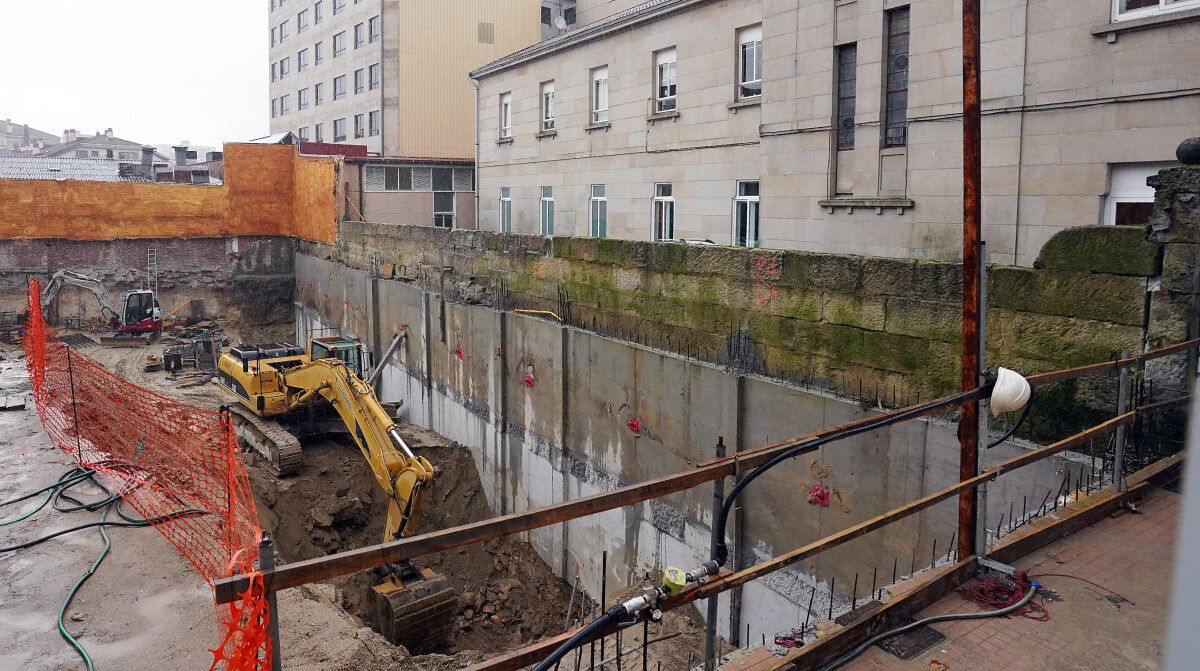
x=243, y=426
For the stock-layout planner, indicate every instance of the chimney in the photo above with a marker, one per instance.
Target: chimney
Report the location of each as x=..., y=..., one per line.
x=108, y=133
x=148, y=157
x=180, y=155
x=69, y=136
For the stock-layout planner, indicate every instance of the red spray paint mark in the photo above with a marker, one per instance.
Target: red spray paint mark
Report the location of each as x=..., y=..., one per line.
x=819, y=495
x=529, y=382
x=458, y=352
x=634, y=425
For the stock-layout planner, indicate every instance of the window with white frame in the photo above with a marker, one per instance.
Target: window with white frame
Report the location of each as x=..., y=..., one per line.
x=319, y=132
x=318, y=93
x=301, y=60
x=745, y=214
x=318, y=12
x=664, y=212
x=339, y=129
x=374, y=122
x=505, y=210
x=283, y=31
x=339, y=87
x=302, y=98
x=339, y=44
x=443, y=209
x=338, y=6
x=547, y=106
x=750, y=59
x=360, y=125
x=505, y=115
x=664, y=80
x=374, y=76
x=285, y=66
x=302, y=132
x=318, y=52
x=1130, y=201
x=274, y=71
x=285, y=104
x=360, y=81
x=546, y=210
x=598, y=212
x=274, y=35
x=1134, y=9
x=301, y=20
x=374, y=29
x=274, y=107
x=360, y=32
x=600, y=94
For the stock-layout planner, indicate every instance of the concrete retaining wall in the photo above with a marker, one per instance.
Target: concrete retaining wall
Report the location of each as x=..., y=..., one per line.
x=546, y=411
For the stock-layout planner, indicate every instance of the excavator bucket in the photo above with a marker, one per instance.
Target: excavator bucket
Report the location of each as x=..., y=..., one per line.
x=416, y=613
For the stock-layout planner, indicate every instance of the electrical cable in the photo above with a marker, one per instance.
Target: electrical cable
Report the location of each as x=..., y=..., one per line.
x=1093, y=584
x=580, y=636
x=846, y=658
x=1016, y=425
x=721, y=553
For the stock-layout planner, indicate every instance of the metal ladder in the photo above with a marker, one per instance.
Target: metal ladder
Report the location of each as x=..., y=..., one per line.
x=152, y=270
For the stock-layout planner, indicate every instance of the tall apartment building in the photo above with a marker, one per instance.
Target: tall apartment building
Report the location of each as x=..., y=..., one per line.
x=389, y=74
x=835, y=125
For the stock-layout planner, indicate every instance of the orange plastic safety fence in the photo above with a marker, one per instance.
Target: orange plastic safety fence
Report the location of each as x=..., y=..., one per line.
x=163, y=457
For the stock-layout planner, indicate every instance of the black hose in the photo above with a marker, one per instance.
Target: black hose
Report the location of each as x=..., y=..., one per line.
x=616, y=612
x=721, y=553
x=844, y=659
x=141, y=523
x=1016, y=425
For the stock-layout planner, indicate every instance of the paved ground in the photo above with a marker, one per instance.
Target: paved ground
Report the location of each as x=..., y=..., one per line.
x=1089, y=628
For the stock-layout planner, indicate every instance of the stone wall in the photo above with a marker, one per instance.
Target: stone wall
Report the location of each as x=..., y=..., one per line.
x=885, y=331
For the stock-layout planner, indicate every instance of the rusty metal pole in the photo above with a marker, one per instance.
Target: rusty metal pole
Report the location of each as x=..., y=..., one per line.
x=968, y=428
x=266, y=561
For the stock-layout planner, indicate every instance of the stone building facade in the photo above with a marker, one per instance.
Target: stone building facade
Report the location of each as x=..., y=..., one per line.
x=834, y=125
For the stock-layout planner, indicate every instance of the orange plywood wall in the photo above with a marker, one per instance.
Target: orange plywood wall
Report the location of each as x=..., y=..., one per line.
x=268, y=190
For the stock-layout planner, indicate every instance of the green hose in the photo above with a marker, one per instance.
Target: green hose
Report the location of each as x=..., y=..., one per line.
x=62, y=628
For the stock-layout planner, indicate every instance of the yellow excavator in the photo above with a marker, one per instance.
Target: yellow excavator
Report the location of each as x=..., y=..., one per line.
x=413, y=607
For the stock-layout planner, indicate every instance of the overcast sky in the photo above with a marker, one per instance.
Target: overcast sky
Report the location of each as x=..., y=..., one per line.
x=155, y=71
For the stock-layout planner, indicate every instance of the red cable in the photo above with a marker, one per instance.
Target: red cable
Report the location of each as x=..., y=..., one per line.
x=997, y=594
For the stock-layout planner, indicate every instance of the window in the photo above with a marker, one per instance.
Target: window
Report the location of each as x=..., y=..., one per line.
x=339, y=87
x=443, y=179
x=318, y=12
x=338, y=5
x=664, y=80
x=360, y=125
x=360, y=81
x=505, y=210
x=546, y=213
x=750, y=59
x=339, y=44
x=443, y=209
x=374, y=29
x=745, y=215
x=285, y=104
x=301, y=21
x=1130, y=201
x=274, y=71
x=895, y=102
x=339, y=130
x=274, y=35
x=285, y=65
x=396, y=178
x=301, y=59
x=505, y=115
x=374, y=120
x=664, y=213
x=318, y=93
x=569, y=15
x=548, y=106
x=274, y=107
x=302, y=98
x=373, y=74
x=302, y=132
x=359, y=35
x=318, y=53
x=545, y=15
x=598, y=212
x=319, y=132
x=847, y=79
x=600, y=95
x=1132, y=9
x=283, y=31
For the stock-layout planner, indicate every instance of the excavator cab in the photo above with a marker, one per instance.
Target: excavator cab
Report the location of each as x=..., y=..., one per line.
x=337, y=347
x=141, y=312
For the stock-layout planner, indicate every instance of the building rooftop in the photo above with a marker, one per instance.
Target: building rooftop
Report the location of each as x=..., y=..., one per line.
x=60, y=168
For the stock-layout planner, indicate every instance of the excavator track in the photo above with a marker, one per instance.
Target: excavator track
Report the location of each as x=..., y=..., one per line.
x=268, y=438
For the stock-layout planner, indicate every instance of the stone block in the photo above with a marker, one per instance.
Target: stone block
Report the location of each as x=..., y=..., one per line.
x=825, y=271
x=1107, y=298
x=1066, y=341
x=583, y=248
x=1179, y=267
x=886, y=276
x=714, y=260
x=1118, y=250
x=850, y=310
x=923, y=319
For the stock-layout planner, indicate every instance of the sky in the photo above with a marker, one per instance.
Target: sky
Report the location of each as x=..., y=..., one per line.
x=155, y=71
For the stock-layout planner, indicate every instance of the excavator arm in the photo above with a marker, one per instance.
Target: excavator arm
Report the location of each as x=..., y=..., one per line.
x=65, y=277
x=400, y=473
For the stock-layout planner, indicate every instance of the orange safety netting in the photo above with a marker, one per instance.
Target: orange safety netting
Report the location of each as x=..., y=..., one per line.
x=163, y=457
